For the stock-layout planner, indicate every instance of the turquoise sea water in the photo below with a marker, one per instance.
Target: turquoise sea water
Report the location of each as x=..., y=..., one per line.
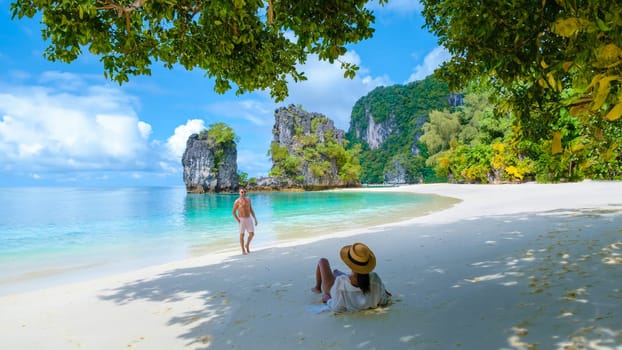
x=53, y=235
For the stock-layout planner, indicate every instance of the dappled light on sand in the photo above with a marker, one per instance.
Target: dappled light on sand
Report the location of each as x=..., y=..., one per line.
x=568, y=283
x=514, y=279
x=614, y=254
x=593, y=339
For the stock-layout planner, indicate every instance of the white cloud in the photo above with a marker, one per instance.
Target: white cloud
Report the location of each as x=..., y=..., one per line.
x=52, y=129
x=177, y=143
x=169, y=167
x=122, y=134
x=145, y=129
x=68, y=81
x=431, y=61
x=327, y=91
x=244, y=111
x=254, y=163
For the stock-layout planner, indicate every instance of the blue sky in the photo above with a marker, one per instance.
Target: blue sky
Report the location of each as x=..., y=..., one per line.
x=65, y=125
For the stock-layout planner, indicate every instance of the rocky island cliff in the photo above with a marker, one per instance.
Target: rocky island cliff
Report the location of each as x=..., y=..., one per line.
x=210, y=162
x=308, y=151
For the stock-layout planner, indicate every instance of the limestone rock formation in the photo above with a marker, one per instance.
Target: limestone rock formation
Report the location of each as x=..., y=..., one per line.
x=374, y=133
x=388, y=123
x=208, y=166
x=310, y=142
x=273, y=183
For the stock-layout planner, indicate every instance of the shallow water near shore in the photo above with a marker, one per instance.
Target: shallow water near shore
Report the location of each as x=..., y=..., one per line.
x=50, y=236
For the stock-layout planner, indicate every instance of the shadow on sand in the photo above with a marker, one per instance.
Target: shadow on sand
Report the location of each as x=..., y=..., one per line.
x=527, y=281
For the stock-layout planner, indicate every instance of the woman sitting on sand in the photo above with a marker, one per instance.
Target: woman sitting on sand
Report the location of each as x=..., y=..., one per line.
x=362, y=289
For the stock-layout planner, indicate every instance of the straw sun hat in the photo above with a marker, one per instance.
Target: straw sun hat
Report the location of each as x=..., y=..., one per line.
x=358, y=257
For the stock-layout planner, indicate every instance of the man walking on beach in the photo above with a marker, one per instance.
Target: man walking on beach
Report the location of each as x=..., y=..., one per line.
x=242, y=211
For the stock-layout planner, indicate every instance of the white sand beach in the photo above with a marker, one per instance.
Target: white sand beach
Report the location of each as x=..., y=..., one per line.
x=509, y=267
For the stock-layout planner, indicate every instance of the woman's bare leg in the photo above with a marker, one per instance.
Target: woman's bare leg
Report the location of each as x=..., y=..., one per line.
x=318, y=280
x=324, y=278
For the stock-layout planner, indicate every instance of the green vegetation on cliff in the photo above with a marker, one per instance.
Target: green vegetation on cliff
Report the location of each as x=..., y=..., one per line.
x=481, y=141
x=221, y=136
x=319, y=157
x=311, y=152
x=397, y=112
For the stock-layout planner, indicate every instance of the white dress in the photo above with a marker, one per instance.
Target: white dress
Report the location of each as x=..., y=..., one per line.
x=346, y=298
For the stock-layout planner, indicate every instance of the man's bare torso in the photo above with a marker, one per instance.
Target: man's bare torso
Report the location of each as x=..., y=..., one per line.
x=243, y=205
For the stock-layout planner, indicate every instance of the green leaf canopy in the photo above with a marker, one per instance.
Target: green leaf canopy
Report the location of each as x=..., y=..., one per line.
x=254, y=44
x=550, y=45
